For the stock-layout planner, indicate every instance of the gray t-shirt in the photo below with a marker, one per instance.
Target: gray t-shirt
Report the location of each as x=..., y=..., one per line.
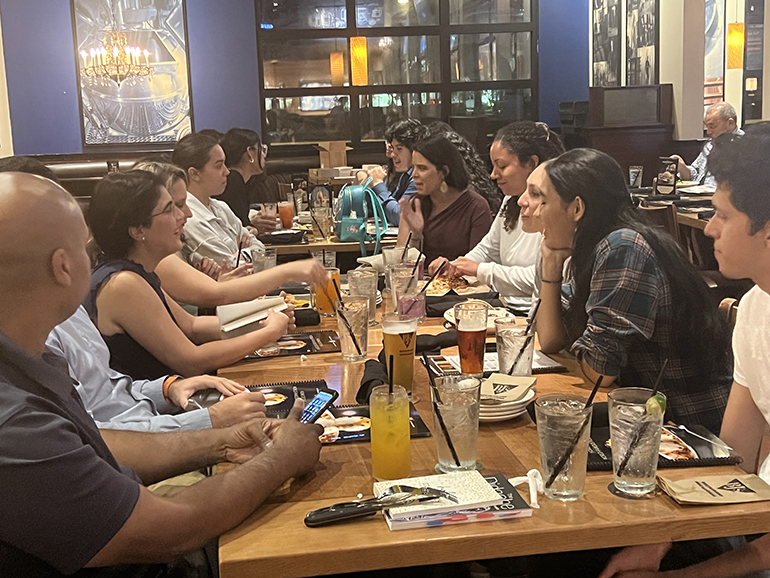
x=63, y=495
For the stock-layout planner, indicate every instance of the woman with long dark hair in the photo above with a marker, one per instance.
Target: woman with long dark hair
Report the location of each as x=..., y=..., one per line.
x=506, y=257
x=397, y=183
x=633, y=299
x=445, y=217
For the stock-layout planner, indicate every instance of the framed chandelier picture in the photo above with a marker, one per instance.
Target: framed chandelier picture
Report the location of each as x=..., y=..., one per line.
x=133, y=72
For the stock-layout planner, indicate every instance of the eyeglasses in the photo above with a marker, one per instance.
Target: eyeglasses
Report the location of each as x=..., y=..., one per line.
x=263, y=148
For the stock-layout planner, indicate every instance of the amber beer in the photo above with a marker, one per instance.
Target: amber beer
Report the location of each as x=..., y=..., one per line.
x=471, y=319
x=399, y=337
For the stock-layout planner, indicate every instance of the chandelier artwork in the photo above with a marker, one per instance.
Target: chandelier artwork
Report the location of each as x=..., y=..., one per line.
x=115, y=59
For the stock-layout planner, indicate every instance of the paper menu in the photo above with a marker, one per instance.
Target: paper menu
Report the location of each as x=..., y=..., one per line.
x=470, y=488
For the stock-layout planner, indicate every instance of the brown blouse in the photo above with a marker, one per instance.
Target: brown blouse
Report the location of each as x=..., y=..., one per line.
x=458, y=228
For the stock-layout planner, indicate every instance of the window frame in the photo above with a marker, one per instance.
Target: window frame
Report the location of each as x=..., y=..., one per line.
x=445, y=87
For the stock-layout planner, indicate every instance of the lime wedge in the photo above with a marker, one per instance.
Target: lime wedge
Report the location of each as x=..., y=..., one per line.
x=656, y=404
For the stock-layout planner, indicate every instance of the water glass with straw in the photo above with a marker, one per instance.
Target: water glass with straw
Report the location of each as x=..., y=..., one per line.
x=636, y=419
x=343, y=317
x=563, y=429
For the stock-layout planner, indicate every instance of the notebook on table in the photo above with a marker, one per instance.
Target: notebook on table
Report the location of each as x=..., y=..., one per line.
x=512, y=506
x=680, y=448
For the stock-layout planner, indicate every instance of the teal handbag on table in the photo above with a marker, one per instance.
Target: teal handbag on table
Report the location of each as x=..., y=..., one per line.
x=353, y=208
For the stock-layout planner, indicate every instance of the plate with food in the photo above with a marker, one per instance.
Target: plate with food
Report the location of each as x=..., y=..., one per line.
x=492, y=314
x=298, y=302
x=460, y=285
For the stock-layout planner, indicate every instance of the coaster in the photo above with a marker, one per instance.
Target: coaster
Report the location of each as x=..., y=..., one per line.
x=616, y=492
x=479, y=468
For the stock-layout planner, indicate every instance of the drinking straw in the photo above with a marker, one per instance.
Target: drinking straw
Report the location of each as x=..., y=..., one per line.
x=343, y=317
x=238, y=259
x=563, y=459
x=323, y=256
x=406, y=248
x=441, y=268
x=414, y=269
x=390, y=377
x=439, y=417
x=320, y=231
x=642, y=429
x=527, y=340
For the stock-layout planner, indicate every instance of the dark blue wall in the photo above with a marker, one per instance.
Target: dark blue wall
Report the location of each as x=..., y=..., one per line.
x=42, y=85
x=564, y=27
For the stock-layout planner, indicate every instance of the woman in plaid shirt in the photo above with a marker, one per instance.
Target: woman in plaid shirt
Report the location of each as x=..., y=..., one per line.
x=631, y=298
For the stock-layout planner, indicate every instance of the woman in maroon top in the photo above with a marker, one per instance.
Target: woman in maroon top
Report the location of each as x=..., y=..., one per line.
x=445, y=216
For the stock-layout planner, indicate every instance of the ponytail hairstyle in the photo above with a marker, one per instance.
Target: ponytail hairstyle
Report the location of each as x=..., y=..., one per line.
x=526, y=139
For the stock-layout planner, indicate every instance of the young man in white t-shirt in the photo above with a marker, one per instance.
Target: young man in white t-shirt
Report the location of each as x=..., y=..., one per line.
x=740, y=228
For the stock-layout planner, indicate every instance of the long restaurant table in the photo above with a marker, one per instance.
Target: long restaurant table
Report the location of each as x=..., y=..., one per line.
x=332, y=245
x=274, y=541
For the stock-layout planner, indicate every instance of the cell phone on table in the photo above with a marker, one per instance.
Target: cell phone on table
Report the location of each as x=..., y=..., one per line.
x=319, y=404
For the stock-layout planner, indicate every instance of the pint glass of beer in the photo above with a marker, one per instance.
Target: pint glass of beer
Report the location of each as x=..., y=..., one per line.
x=399, y=337
x=471, y=320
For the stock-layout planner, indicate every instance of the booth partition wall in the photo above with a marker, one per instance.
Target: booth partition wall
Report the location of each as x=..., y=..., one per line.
x=346, y=69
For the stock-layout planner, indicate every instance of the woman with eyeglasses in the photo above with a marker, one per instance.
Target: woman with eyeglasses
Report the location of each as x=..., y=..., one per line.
x=397, y=183
x=245, y=156
x=445, y=217
x=214, y=230
x=631, y=299
x=506, y=257
x=136, y=224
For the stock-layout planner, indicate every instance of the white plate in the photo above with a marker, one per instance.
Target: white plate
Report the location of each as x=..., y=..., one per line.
x=492, y=314
x=510, y=404
x=501, y=413
x=500, y=418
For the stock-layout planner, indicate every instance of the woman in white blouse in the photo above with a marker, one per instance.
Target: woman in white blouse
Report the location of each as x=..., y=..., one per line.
x=505, y=258
x=214, y=231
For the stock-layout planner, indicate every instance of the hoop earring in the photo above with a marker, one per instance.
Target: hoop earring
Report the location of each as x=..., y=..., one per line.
x=251, y=160
x=443, y=188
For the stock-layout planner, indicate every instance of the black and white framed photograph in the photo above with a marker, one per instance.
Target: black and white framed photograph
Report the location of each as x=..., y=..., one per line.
x=605, y=62
x=133, y=71
x=641, y=42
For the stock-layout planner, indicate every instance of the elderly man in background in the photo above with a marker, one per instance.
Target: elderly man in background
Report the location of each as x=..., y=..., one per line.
x=720, y=119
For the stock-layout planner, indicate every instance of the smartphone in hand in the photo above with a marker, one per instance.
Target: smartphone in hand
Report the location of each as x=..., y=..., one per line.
x=319, y=404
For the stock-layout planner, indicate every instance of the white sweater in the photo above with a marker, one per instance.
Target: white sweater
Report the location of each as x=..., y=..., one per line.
x=507, y=262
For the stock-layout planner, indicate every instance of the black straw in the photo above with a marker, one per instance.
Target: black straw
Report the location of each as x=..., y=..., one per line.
x=240, y=246
x=414, y=270
x=432, y=277
x=530, y=321
x=390, y=376
x=439, y=417
x=406, y=248
x=563, y=459
x=642, y=429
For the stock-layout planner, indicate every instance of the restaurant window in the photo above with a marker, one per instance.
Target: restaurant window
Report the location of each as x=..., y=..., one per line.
x=403, y=60
x=380, y=13
x=499, y=106
x=378, y=111
x=491, y=57
x=346, y=69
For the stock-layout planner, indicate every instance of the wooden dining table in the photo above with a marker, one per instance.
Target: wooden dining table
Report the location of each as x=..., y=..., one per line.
x=274, y=541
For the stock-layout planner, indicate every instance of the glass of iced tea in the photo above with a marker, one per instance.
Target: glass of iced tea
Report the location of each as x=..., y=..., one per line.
x=471, y=321
x=325, y=296
x=286, y=213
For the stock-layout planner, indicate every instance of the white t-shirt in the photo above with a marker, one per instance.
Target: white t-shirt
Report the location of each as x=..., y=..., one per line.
x=507, y=262
x=751, y=348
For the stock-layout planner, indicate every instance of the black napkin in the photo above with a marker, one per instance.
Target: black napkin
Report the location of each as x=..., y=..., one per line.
x=305, y=317
x=436, y=306
x=376, y=372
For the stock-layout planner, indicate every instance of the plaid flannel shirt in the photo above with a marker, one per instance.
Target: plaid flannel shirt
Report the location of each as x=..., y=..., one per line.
x=630, y=332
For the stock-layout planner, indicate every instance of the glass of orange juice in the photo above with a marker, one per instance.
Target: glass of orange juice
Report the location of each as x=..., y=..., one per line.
x=391, y=451
x=286, y=213
x=325, y=296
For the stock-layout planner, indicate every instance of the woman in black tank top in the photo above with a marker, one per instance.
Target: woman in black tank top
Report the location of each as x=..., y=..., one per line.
x=136, y=223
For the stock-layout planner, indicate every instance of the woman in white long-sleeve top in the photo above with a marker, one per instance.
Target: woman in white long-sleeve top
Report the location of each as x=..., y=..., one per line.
x=505, y=258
